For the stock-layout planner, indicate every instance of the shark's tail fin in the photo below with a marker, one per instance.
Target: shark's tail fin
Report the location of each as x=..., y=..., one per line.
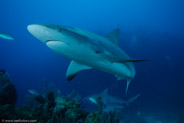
x=128, y=83
x=132, y=99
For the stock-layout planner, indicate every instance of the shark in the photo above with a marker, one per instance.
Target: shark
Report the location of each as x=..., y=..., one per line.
x=110, y=103
x=6, y=36
x=87, y=50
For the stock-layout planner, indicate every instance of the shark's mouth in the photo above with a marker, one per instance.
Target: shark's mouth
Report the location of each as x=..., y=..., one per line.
x=51, y=41
x=55, y=42
x=48, y=41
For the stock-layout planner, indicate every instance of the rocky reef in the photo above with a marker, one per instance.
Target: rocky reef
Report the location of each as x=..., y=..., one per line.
x=49, y=107
x=8, y=94
x=99, y=117
x=55, y=110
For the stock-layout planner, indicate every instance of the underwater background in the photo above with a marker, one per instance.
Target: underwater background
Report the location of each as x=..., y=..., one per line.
x=152, y=30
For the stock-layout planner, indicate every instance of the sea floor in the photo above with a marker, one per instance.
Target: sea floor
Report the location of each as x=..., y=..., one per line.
x=153, y=117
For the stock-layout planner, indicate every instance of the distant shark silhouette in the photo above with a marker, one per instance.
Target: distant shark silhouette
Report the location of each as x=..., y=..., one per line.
x=87, y=50
x=110, y=103
x=6, y=36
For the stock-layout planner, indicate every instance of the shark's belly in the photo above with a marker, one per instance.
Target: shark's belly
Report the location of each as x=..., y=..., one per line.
x=87, y=56
x=120, y=70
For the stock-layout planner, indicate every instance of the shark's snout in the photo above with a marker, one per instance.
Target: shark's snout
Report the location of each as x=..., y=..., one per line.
x=31, y=27
x=34, y=28
x=38, y=31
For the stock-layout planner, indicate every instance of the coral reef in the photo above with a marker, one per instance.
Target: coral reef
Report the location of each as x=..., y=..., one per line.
x=8, y=94
x=50, y=108
x=93, y=118
x=67, y=110
x=58, y=109
x=99, y=117
x=6, y=110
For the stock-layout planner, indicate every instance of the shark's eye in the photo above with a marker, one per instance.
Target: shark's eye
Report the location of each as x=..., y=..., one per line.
x=60, y=29
x=45, y=30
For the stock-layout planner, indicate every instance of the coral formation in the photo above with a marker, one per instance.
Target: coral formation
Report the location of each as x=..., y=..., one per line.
x=67, y=110
x=93, y=118
x=99, y=117
x=8, y=94
x=49, y=108
x=55, y=109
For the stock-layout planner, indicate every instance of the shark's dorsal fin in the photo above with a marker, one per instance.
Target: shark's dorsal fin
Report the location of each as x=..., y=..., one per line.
x=74, y=68
x=105, y=92
x=132, y=99
x=114, y=36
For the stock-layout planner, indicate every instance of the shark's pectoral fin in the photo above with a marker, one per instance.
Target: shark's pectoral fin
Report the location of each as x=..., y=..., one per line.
x=128, y=83
x=74, y=68
x=114, y=36
x=118, y=78
x=112, y=58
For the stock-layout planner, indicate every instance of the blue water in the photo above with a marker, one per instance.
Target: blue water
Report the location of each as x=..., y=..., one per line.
x=152, y=30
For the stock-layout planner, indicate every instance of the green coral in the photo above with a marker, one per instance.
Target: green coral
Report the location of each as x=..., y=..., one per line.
x=94, y=117
x=49, y=107
x=67, y=110
x=23, y=112
x=99, y=117
x=6, y=111
x=9, y=112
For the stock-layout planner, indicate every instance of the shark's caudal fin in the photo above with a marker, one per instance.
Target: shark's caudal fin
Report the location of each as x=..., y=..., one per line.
x=114, y=36
x=128, y=83
x=132, y=99
x=74, y=68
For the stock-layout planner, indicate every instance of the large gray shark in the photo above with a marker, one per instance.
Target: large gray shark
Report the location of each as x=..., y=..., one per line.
x=110, y=103
x=87, y=50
